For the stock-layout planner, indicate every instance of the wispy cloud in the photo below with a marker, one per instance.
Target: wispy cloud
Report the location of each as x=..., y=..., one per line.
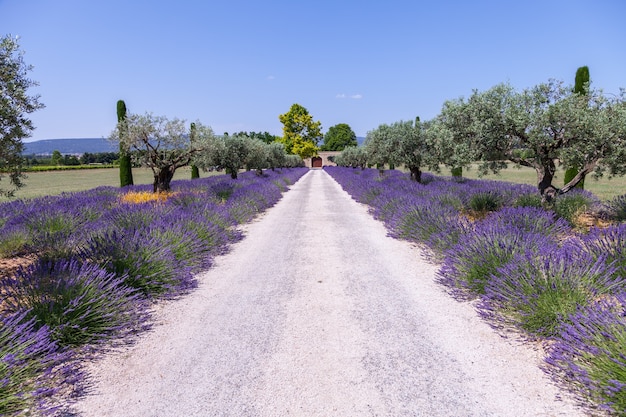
x=270, y=78
x=352, y=96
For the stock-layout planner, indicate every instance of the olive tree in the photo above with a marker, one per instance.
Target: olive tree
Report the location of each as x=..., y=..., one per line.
x=414, y=147
x=276, y=155
x=352, y=156
x=538, y=128
x=161, y=144
x=257, y=155
x=15, y=105
x=380, y=145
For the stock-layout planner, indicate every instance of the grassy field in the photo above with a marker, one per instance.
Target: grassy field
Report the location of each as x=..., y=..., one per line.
x=56, y=182
x=604, y=188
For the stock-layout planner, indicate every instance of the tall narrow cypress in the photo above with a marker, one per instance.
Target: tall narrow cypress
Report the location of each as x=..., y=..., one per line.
x=126, y=171
x=195, y=172
x=581, y=86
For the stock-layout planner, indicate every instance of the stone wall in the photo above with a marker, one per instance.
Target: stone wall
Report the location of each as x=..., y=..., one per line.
x=324, y=155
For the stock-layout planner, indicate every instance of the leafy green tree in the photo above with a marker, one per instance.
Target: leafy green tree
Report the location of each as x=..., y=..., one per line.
x=416, y=148
x=163, y=145
x=227, y=152
x=581, y=86
x=352, y=156
x=380, y=146
x=339, y=137
x=301, y=134
x=57, y=158
x=262, y=136
x=257, y=155
x=126, y=166
x=276, y=155
x=15, y=105
x=539, y=126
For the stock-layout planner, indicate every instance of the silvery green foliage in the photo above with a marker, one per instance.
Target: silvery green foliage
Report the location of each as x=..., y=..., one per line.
x=276, y=155
x=257, y=155
x=380, y=145
x=352, y=156
x=162, y=144
x=15, y=105
x=537, y=127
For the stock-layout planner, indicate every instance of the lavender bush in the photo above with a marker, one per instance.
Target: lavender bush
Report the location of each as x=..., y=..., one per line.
x=32, y=369
x=538, y=293
x=590, y=353
x=471, y=264
x=617, y=208
x=609, y=243
x=79, y=303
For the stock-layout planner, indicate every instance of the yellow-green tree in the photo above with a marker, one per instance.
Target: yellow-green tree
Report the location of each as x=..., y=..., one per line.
x=301, y=133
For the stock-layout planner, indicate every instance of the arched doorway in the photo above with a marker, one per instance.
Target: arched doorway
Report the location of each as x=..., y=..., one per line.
x=316, y=162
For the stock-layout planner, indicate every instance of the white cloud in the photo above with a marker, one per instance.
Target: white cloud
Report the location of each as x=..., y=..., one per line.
x=270, y=78
x=352, y=96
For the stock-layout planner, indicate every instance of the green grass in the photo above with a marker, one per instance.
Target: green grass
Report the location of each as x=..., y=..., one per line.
x=40, y=184
x=603, y=188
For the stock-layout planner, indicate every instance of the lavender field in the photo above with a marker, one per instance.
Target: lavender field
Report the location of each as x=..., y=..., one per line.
x=81, y=271
x=538, y=273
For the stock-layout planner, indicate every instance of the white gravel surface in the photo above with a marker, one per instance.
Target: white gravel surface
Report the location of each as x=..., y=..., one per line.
x=318, y=313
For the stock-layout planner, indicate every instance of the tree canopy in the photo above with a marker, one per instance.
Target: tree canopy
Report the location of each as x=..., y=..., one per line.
x=538, y=127
x=161, y=144
x=301, y=134
x=339, y=137
x=15, y=105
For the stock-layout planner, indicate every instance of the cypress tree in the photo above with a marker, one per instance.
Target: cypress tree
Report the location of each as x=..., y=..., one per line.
x=126, y=172
x=195, y=172
x=581, y=86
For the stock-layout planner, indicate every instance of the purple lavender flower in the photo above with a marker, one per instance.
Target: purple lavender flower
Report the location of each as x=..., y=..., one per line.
x=590, y=353
x=537, y=292
x=79, y=302
x=32, y=368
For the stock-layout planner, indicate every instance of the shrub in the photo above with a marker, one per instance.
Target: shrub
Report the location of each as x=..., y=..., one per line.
x=569, y=206
x=590, y=353
x=617, y=208
x=531, y=220
x=14, y=242
x=538, y=293
x=142, y=260
x=528, y=200
x=80, y=304
x=32, y=368
x=484, y=202
x=471, y=264
x=609, y=244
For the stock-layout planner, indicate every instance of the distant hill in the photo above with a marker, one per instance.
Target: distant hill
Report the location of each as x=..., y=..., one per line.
x=69, y=146
x=82, y=145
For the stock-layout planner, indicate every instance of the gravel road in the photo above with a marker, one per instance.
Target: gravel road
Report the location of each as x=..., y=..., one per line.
x=318, y=313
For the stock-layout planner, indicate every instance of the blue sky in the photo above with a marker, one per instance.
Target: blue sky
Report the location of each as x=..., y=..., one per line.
x=236, y=65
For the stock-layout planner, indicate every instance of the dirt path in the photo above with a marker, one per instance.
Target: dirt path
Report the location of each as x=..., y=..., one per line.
x=318, y=313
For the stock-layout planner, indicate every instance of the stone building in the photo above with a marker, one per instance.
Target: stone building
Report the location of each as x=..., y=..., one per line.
x=321, y=160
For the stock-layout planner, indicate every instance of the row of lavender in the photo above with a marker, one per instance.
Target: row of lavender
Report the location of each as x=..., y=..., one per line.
x=528, y=267
x=95, y=261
